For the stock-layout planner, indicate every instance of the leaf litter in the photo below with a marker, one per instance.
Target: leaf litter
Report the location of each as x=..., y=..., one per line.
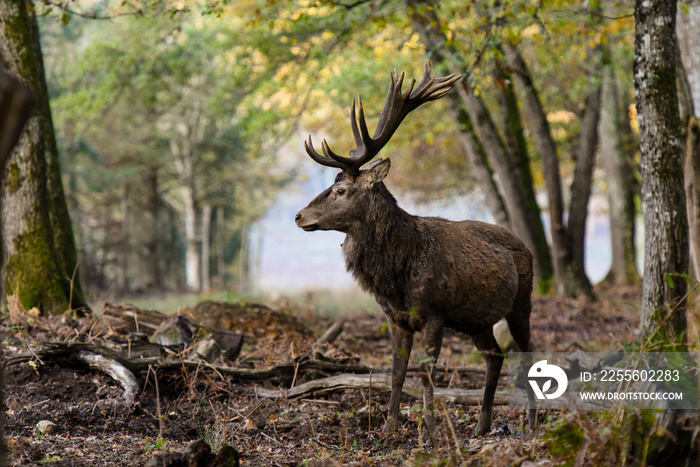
x=177, y=406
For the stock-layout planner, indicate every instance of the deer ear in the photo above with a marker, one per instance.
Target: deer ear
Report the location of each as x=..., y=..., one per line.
x=376, y=172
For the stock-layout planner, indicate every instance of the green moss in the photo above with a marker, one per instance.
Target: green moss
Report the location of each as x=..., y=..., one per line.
x=18, y=33
x=612, y=437
x=31, y=274
x=13, y=178
x=545, y=286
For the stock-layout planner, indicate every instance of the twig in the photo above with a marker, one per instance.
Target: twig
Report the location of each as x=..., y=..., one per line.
x=448, y=419
x=72, y=287
x=369, y=412
x=270, y=437
x=296, y=371
x=160, y=415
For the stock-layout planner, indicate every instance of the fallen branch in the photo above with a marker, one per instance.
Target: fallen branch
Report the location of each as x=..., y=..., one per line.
x=331, y=333
x=56, y=350
x=114, y=369
x=380, y=382
x=135, y=361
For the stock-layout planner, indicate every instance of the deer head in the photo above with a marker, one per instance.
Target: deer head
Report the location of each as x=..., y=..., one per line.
x=337, y=207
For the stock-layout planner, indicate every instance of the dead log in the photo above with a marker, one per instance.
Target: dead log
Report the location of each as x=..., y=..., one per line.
x=126, y=319
x=381, y=382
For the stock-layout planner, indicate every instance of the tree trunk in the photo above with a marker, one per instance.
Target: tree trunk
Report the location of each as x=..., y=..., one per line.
x=192, y=253
x=664, y=317
x=517, y=151
x=692, y=189
x=151, y=243
x=206, y=246
x=688, y=66
x=688, y=18
x=663, y=194
x=220, y=250
x=59, y=216
x=570, y=279
x=16, y=103
x=39, y=247
x=124, y=247
x=620, y=183
x=581, y=187
x=478, y=162
x=244, y=261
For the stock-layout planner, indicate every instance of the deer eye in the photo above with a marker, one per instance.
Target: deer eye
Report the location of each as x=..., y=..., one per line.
x=341, y=191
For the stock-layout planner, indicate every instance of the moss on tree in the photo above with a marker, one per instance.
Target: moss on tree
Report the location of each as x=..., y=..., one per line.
x=41, y=252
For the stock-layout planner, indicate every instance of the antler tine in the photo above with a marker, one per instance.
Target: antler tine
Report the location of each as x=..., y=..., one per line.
x=396, y=107
x=327, y=161
x=332, y=155
x=353, y=123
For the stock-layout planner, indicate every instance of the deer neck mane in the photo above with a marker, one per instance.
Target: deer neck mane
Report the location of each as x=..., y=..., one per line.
x=379, y=251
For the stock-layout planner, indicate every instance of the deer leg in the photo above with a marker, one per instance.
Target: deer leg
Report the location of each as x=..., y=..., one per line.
x=519, y=326
x=432, y=342
x=493, y=355
x=402, y=342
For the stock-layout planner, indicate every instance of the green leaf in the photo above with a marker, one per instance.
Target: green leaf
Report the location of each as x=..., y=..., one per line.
x=669, y=281
x=65, y=19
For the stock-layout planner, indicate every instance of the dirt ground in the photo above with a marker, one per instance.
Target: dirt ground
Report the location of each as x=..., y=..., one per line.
x=94, y=427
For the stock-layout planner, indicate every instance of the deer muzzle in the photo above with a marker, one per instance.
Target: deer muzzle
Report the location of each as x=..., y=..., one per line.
x=304, y=223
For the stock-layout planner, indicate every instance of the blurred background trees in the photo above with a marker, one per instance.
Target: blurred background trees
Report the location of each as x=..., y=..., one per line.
x=178, y=124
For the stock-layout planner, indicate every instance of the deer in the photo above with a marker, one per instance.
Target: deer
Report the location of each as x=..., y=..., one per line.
x=426, y=273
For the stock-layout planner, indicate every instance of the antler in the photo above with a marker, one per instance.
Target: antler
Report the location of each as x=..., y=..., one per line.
x=396, y=107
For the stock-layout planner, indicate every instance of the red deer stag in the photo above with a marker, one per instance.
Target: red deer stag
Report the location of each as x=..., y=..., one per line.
x=425, y=272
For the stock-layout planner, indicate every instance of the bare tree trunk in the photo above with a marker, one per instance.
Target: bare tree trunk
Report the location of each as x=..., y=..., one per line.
x=220, y=244
x=192, y=253
x=124, y=250
x=620, y=183
x=581, y=185
x=570, y=280
x=478, y=162
x=688, y=67
x=206, y=246
x=152, y=257
x=664, y=316
x=663, y=194
x=39, y=250
x=688, y=18
x=517, y=150
x=59, y=216
x=244, y=260
x=184, y=162
x=16, y=103
x=692, y=188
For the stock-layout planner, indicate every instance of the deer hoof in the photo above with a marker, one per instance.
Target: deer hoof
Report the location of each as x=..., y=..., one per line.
x=391, y=425
x=483, y=429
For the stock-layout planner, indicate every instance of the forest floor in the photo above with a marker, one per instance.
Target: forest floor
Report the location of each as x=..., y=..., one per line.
x=94, y=427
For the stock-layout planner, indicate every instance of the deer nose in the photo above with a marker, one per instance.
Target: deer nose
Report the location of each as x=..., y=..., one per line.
x=297, y=218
